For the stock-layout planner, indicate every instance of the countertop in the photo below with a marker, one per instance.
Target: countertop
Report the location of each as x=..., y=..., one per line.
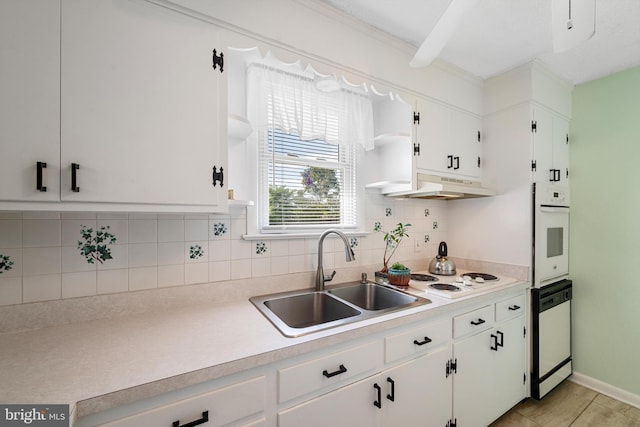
x=94, y=366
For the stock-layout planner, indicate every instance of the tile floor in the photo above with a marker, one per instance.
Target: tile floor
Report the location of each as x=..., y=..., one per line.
x=571, y=405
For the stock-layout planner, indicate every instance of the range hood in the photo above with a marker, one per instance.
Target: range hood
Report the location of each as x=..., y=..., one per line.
x=446, y=188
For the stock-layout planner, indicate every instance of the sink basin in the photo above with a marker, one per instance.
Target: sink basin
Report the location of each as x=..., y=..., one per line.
x=298, y=313
x=371, y=296
x=310, y=309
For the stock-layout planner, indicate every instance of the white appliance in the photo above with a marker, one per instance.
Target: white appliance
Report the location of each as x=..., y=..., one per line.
x=550, y=234
x=464, y=284
x=551, y=338
x=551, y=359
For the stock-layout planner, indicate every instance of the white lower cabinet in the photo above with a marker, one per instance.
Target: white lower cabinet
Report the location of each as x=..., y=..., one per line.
x=412, y=394
x=228, y=405
x=490, y=371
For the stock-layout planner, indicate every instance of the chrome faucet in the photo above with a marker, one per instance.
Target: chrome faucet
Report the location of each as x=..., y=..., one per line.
x=349, y=255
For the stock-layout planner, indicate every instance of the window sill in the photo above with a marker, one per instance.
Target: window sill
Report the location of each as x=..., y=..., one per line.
x=291, y=236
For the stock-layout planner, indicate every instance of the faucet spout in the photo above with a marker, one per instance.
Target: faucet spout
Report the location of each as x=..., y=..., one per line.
x=348, y=252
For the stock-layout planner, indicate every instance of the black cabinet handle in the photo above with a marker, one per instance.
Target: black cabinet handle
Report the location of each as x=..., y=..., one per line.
x=427, y=340
x=378, y=402
x=514, y=307
x=477, y=322
x=457, y=160
x=39, y=167
x=494, y=344
x=449, y=162
x=392, y=395
x=74, y=177
x=500, y=341
x=341, y=370
x=204, y=419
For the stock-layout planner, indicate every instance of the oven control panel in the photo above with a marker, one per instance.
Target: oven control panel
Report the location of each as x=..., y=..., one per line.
x=552, y=195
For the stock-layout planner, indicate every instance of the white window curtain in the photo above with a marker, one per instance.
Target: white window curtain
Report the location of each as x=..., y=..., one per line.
x=293, y=103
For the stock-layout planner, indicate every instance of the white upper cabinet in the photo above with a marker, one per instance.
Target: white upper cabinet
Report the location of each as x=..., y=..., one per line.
x=550, y=146
x=143, y=107
x=448, y=141
x=30, y=100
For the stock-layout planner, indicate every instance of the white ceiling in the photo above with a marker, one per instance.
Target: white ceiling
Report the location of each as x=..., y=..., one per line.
x=502, y=34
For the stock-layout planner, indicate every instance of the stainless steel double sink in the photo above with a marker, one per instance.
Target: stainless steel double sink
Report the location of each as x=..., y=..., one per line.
x=302, y=312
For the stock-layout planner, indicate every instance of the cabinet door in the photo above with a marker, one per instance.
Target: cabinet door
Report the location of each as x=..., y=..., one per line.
x=433, y=136
x=510, y=365
x=561, y=148
x=30, y=99
x=542, y=131
x=473, y=380
x=349, y=406
x=141, y=105
x=467, y=147
x=421, y=392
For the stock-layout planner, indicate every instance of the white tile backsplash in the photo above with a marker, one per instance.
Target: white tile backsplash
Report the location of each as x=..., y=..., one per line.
x=152, y=250
x=76, y=285
x=37, y=261
x=41, y=232
x=10, y=290
x=10, y=233
x=41, y=288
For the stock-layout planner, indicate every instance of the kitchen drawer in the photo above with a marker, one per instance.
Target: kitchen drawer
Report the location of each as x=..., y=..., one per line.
x=510, y=308
x=474, y=321
x=328, y=372
x=223, y=406
x=417, y=341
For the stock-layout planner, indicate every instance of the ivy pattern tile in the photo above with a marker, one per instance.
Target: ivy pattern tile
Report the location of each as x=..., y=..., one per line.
x=196, y=252
x=388, y=212
x=94, y=244
x=427, y=239
x=427, y=212
x=261, y=248
x=435, y=225
x=5, y=263
x=377, y=226
x=219, y=229
x=353, y=242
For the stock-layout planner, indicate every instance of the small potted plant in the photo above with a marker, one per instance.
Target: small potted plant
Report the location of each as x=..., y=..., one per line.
x=392, y=240
x=399, y=274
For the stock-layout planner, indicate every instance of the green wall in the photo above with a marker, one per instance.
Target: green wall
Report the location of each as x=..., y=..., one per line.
x=605, y=229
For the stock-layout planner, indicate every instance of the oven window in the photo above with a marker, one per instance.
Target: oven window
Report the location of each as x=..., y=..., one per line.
x=554, y=241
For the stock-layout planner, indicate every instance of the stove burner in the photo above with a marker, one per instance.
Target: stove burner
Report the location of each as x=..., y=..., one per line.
x=484, y=276
x=445, y=287
x=423, y=277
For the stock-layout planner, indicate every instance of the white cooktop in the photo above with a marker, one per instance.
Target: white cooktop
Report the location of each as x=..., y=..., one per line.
x=466, y=285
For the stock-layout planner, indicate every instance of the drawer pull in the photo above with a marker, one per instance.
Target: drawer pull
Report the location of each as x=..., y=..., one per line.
x=427, y=340
x=494, y=344
x=74, y=177
x=477, y=322
x=392, y=396
x=204, y=419
x=514, y=307
x=341, y=370
x=378, y=402
x=39, y=185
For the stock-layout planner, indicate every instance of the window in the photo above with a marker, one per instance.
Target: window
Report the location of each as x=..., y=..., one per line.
x=306, y=184
x=307, y=143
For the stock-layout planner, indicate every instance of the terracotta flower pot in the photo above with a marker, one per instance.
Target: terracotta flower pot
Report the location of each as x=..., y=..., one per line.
x=399, y=277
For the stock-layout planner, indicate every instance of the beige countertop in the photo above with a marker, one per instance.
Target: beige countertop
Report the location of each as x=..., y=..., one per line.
x=97, y=365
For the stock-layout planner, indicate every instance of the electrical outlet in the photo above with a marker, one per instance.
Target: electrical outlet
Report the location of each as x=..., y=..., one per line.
x=418, y=245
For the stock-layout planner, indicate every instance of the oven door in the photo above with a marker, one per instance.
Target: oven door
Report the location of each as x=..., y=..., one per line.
x=551, y=244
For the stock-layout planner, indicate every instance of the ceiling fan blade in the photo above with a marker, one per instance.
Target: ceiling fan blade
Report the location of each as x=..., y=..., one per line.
x=441, y=33
x=573, y=22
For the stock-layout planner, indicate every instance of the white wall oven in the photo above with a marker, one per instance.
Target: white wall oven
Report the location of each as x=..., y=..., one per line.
x=550, y=234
